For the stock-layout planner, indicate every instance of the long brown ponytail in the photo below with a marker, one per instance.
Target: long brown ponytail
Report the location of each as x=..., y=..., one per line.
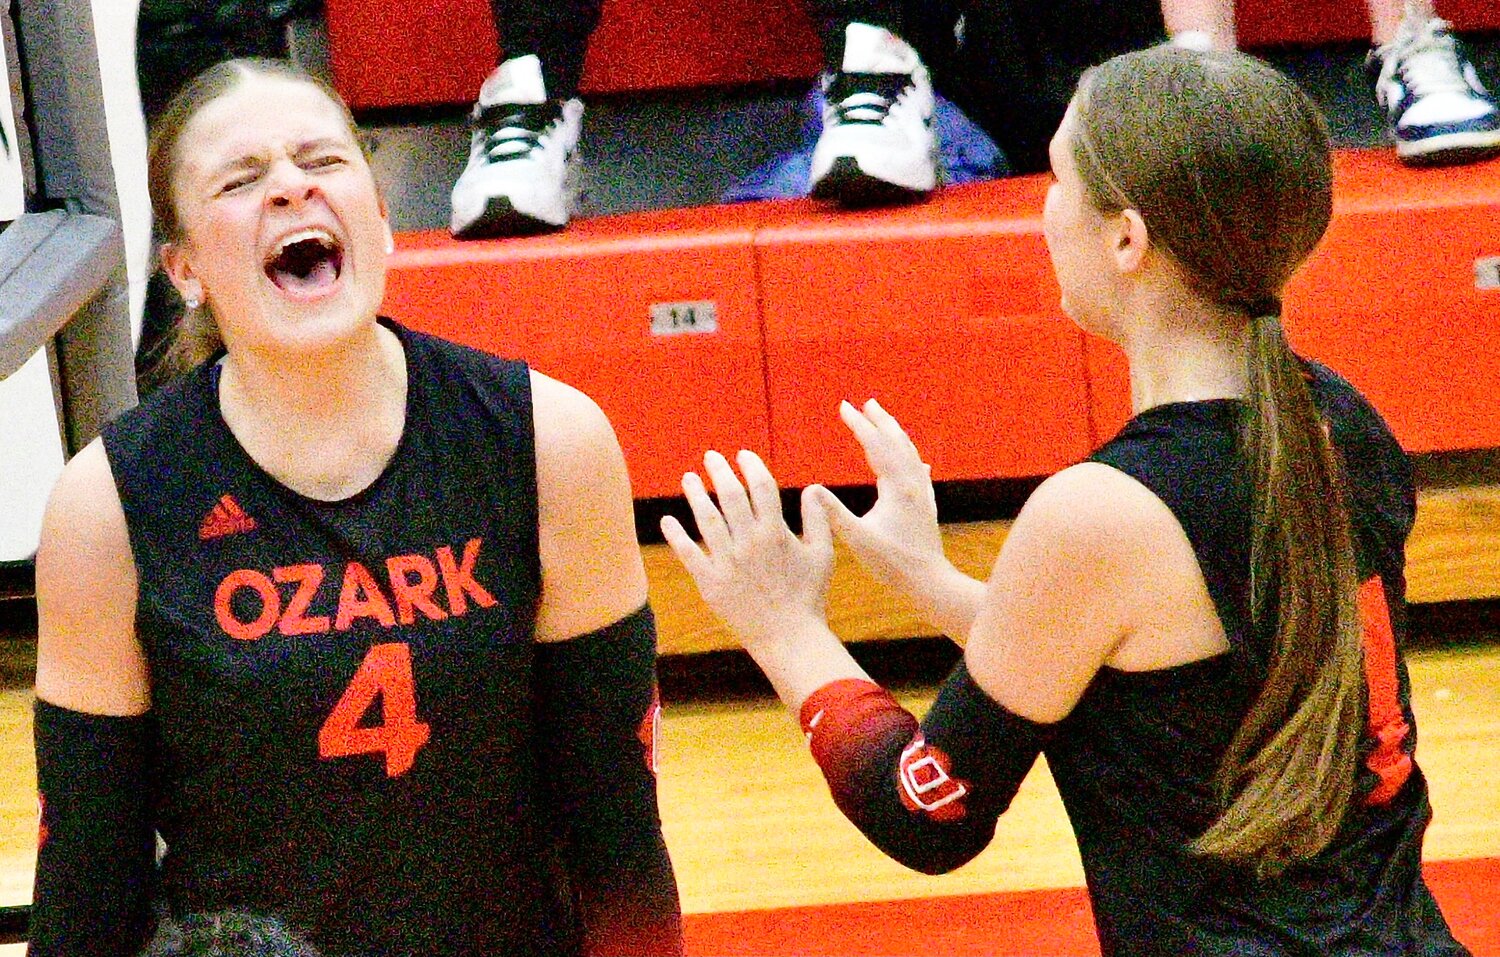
x=1228, y=164
x=1291, y=766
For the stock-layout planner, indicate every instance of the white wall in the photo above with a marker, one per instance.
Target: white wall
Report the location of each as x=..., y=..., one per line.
x=31, y=455
x=114, y=33
x=31, y=450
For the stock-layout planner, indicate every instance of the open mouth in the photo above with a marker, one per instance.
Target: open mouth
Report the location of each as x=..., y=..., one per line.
x=306, y=262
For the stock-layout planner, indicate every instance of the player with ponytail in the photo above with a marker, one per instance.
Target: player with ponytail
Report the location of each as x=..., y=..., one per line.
x=1200, y=625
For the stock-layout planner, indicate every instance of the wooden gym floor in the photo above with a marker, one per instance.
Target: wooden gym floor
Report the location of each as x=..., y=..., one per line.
x=750, y=824
x=748, y=818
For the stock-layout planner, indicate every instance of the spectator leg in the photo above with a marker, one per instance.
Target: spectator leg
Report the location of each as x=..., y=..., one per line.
x=1213, y=20
x=556, y=31
x=832, y=16
x=1386, y=16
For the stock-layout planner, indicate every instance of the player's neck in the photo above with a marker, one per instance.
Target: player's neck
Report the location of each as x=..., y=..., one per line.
x=324, y=428
x=1183, y=349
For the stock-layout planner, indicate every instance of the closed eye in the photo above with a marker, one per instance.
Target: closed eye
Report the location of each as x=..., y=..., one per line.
x=323, y=162
x=239, y=182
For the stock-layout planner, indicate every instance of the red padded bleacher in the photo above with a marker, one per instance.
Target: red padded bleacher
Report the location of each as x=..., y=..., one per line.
x=430, y=52
x=948, y=313
x=439, y=51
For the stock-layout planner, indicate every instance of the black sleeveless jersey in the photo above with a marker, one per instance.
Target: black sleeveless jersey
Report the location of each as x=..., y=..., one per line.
x=343, y=689
x=1135, y=760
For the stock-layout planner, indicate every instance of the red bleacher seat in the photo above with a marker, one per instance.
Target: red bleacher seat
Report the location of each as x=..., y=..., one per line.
x=948, y=313
x=1265, y=23
x=438, y=51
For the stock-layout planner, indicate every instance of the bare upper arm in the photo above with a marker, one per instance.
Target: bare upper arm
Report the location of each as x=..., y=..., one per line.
x=1068, y=587
x=88, y=656
x=592, y=574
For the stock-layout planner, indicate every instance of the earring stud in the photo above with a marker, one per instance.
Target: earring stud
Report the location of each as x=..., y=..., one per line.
x=192, y=302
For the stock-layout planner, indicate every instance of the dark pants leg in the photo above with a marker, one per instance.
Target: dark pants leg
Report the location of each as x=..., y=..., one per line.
x=556, y=31
x=1021, y=60
x=174, y=42
x=832, y=16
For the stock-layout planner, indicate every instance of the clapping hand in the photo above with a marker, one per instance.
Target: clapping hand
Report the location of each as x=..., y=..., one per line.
x=897, y=540
x=767, y=584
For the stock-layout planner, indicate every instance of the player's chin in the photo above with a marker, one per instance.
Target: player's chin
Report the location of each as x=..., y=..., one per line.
x=310, y=328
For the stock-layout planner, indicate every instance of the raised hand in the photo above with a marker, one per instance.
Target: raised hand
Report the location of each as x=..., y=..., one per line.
x=767, y=584
x=897, y=540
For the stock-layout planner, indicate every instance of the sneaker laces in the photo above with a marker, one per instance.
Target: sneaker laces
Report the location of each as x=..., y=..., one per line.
x=1428, y=63
x=865, y=97
x=512, y=130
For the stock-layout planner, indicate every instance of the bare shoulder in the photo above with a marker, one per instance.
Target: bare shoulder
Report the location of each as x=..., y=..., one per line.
x=1065, y=588
x=1091, y=505
x=84, y=517
x=578, y=457
x=569, y=425
x=88, y=657
x=592, y=573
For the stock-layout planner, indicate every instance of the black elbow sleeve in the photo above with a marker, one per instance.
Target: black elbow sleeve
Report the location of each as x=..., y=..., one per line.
x=597, y=719
x=96, y=862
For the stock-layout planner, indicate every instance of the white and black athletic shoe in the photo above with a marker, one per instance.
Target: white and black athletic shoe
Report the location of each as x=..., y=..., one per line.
x=523, y=157
x=878, y=144
x=1438, y=110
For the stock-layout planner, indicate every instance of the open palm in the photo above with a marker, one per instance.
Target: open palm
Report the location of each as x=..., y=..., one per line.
x=897, y=540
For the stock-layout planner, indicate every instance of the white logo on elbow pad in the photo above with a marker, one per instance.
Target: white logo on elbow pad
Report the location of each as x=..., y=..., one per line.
x=927, y=785
x=813, y=724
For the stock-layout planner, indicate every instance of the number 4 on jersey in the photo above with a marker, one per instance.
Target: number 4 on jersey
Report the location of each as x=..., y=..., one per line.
x=386, y=671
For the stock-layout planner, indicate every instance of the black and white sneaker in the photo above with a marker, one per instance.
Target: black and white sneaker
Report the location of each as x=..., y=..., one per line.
x=1438, y=110
x=878, y=144
x=523, y=157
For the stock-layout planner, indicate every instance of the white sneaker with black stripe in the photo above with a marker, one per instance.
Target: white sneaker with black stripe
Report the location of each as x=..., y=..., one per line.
x=878, y=144
x=1439, y=111
x=523, y=157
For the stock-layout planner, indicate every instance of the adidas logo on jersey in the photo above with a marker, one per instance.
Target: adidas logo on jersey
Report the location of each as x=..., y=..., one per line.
x=227, y=518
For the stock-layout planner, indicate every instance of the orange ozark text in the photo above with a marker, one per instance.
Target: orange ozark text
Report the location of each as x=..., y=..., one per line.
x=299, y=599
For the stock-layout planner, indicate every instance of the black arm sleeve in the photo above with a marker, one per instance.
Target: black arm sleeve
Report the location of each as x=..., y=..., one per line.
x=96, y=866
x=927, y=795
x=597, y=713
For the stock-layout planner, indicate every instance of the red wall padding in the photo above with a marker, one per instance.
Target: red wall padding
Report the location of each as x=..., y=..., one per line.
x=948, y=313
x=1391, y=300
x=577, y=306
x=428, y=52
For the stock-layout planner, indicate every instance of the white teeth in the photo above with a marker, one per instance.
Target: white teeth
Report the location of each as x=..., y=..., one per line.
x=322, y=235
